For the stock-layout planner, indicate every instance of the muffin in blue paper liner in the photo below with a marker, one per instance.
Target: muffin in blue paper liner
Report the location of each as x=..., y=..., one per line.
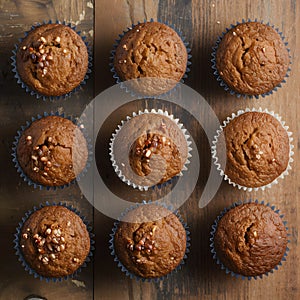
x=251, y=59
x=141, y=232
x=150, y=149
x=54, y=241
x=150, y=58
x=258, y=155
x=51, y=151
x=46, y=60
x=249, y=239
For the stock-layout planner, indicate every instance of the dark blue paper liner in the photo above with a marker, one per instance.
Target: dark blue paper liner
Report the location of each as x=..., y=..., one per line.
x=19, y=134
x=123, y=268
x=19, y=253
x=213, y=231
x=223, y=84
x=35, y=93
x=160, y=185
x=135, y=93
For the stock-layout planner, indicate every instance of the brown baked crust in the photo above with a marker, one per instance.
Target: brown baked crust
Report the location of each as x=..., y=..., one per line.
x=149, y=145
x=52, y=59
x=151, y=49
x=52, y=151
x=167, y=161
x=54, y=241
x=252, y=58
x=250, y=239
x=257, y=148
x=153, y=248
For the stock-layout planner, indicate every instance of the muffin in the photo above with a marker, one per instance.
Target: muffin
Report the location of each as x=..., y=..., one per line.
x=150, y=241
x=257, y=149
x=252, y=58
x=250, y=239
x=52, y=60
x=154, y=51
x=54, y=241
x=52, y=151
x=149, y=149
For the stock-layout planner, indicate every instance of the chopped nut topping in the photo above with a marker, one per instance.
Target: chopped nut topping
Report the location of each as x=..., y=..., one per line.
x=234, y=33
x=57, y=39
x=124, y=47
x=25, y=236
x=43, y=39
x=255, y=233
x=75, y=260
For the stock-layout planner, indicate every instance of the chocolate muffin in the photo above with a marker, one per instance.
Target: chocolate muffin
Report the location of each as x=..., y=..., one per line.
x=151, y=242
x=54, y=241
x=257, y=149
x=151, y=50
x=52, y=151
x=252, y=58
x=250, y=239
x=149, y=149
x=52, y=59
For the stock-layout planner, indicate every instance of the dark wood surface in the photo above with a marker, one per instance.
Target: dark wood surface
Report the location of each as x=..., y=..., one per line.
x=201, y=23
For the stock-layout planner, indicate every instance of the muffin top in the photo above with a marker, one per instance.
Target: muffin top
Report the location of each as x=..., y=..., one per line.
x=54, y=241
x=150, y=149
x=152, y=241
x=252, y=58
x=250, y=239
x=52, y=59
x=153, y=50
x=257, y=148
x=52, y=151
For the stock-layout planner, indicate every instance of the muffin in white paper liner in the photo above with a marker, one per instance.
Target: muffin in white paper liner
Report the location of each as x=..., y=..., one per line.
x=18, y=246
x=20, y=132
x=119, y=151
x=35, y=93
x=149, y=86
x=122, y=217
x=221, y=168
x=214, y=229
x=218, y=76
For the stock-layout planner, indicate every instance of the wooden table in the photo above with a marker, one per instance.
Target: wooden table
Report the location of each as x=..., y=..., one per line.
x=101, y=21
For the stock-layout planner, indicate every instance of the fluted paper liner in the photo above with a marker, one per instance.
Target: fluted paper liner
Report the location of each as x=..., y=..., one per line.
x=119, y=154
x=213, y=231
x=221, y=168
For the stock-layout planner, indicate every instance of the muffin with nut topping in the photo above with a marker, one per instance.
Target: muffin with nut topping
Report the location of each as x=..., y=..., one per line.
x=52, y=59
x=150, y=241
x=149, y=149
x=54, y=241
x=52, y=151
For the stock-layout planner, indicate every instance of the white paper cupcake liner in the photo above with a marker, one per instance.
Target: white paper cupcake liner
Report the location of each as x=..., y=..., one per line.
x=213, y=231
x=35, y=93
x=134, y=92
x=123, y=268
x=15, y=157
x=223, y=84
x=118, y=166
x=21, y=258
x=222, y=168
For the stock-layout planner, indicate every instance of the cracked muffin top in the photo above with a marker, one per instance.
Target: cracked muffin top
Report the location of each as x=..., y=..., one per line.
x=150, y=242
x=252, y=58
x=257, y=149
x=52, y=59
x=150, y=149
x=152, y=50
x=52, y=151
x=250, y=239
x=54, y=241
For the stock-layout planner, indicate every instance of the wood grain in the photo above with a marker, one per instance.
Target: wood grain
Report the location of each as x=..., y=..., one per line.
x=201, y=22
